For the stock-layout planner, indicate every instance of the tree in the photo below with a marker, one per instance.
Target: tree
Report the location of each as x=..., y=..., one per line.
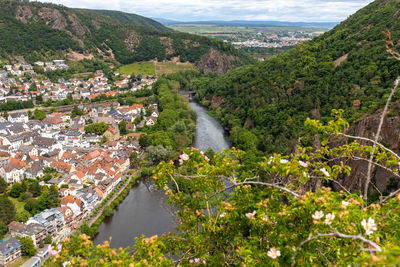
x=48, y=239
x=134, y=160
x=39, y=114
x=35, y=189
x=108, y=211
x=7, y=210
x=53, y=199
x=27, y=246
x=32, y=206
x=16, y=190
x=158, y=153
x=122, y=127
x=76, y=112
x=23, y=216
x=3, y=185
x=3, y=229
x=97, y=128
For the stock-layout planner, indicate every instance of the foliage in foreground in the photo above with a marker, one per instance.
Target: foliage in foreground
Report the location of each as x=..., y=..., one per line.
x=270, y=219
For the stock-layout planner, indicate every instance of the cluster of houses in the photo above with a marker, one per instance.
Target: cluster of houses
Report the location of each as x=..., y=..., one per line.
x=146, y=81
x=75, y=88
x=88, y=171
x=20, y=89
x=53, y=65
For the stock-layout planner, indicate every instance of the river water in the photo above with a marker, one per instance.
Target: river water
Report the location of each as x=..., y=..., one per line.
x=144, y=211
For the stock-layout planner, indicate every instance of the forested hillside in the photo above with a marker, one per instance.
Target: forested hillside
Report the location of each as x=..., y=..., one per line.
x=133, y=19
x=38, y=31
x=264, y=106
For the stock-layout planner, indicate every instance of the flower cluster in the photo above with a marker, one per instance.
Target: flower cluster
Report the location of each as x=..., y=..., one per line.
x=197, y=260
x=54, y=252
x=183, y=157
x=319, y=215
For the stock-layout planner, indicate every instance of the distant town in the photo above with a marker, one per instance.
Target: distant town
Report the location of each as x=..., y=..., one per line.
x=81, y=151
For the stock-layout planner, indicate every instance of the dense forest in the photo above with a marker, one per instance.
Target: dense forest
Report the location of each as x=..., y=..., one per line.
x=38, y=31
x=264, y=105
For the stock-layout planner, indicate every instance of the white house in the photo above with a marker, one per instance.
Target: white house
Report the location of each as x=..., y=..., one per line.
x=18, y=117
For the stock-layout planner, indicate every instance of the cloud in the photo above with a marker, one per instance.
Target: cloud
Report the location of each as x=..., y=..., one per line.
x=189, y=10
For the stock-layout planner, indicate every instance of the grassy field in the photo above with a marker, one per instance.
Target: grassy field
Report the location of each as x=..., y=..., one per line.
x=145, y=68
x=19, y=206
x=171, y=67
x=155, y=68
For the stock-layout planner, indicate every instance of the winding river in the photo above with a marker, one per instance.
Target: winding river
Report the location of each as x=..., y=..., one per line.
x=145, y=211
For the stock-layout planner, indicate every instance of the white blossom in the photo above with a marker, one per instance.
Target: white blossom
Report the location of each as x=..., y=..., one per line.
x=345, y=203
x=318, y=215
x=284, y=161
x=273, y=253
x=369, y=226
x=303, y=164
x=250, y=215
x=329, y=218
x=325, y=172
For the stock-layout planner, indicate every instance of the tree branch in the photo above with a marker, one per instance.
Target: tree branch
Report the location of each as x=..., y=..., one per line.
x=378, y=165
x=378, y=133
x=393, y=194
x=268, y=184
x=375, y=246
x=370, y=140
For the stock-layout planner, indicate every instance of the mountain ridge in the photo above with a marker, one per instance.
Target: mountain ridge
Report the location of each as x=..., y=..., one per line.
x=259, y=23
x=37, y=31
x=264, y=105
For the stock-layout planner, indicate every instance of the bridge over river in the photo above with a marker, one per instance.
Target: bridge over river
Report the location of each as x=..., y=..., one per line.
x=189, y=94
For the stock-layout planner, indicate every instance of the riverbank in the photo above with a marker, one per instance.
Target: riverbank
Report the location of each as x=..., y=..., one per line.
x=90, y=225
x=144, y=211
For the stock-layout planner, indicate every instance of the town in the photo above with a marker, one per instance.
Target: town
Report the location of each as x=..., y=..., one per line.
x=82, y=152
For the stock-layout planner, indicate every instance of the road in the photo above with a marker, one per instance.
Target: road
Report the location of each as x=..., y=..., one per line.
x=60, y=108
x=100, y=212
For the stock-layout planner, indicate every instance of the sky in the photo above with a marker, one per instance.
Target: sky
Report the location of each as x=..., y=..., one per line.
x=202, y=10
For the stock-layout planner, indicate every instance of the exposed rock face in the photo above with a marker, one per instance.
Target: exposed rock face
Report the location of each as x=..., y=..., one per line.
x=390, y=137
x=216, y=101
x=132, y=40
x=215, y=61
x=166, y=41
x=23, y=14
x=53, y=18
x=77, y=26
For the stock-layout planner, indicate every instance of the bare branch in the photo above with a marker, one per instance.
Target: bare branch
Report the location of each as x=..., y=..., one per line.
x=378, y=165
x=177, y=186
x=393, y=194
x=370, y=140
x=268, y=184
x=375, y=247
x=340, y=185
x=378, y=133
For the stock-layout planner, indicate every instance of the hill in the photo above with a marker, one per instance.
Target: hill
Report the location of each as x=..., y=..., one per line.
x=264, y=105
x=133, y=19
x=38, y=31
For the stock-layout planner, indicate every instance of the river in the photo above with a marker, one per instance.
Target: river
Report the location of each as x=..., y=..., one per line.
x=144, y=211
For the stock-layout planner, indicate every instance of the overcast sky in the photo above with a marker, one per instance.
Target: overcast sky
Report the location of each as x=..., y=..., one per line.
x=193, y=10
